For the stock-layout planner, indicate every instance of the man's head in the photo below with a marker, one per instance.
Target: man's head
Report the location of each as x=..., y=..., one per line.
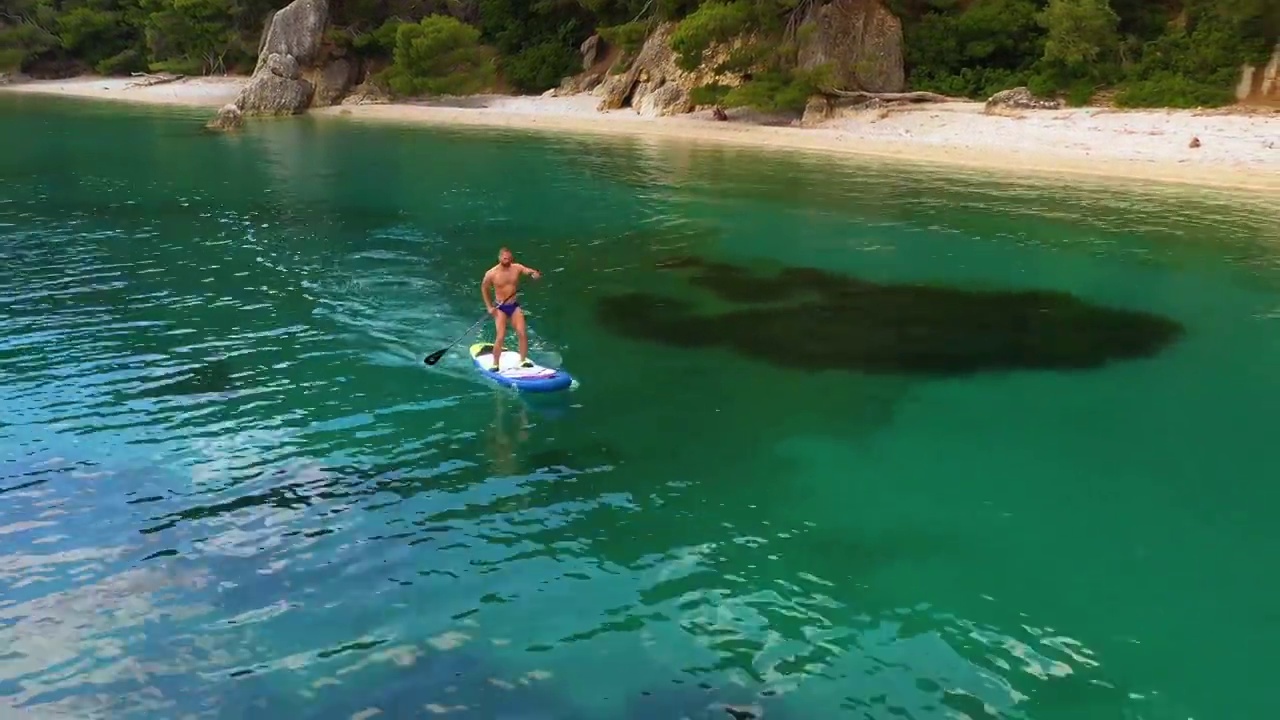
x=504, y=257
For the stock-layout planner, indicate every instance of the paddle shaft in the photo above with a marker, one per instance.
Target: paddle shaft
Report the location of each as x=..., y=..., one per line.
x=434, y=357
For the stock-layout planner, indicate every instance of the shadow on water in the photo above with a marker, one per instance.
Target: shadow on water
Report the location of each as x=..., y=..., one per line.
x=836, y=322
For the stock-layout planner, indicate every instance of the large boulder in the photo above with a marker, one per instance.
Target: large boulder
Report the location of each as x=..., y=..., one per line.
x=859, y=40
x=667, y=99
x=367, y=93
x=817, y=110
x=290, y=43
x=597, y=57
x=591, y=49
x=228, y=118
x=278, y=89
x=331, y=81
x=1019, y=98
x=297, y=29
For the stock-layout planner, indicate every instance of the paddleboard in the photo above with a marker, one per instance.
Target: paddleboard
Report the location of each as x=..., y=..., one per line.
x=526, y=379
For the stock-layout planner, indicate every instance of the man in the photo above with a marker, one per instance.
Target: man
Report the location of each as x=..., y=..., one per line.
x=504, y=278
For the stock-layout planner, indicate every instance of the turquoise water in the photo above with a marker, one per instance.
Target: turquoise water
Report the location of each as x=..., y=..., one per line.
x=231, y=488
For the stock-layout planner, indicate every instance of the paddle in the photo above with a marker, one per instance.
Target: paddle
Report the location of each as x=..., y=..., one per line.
x=434, y=357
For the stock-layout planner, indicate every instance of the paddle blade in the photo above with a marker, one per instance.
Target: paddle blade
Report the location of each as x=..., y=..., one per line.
x=434, y=357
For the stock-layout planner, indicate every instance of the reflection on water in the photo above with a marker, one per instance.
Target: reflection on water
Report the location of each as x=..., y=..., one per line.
x=231, y=489
x=508, y=433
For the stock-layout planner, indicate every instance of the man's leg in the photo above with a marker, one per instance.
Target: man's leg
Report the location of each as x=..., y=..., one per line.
x=500, y=326
x=518, y=318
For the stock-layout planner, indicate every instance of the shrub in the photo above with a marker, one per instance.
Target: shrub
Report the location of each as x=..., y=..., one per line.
x=20, y=43
x=540, y=67
x=714, y=22
x=439, y=56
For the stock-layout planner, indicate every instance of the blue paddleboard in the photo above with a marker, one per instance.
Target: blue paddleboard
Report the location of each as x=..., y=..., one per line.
x=525, y=379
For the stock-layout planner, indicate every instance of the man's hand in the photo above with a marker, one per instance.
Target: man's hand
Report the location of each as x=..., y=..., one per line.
x=535, y=274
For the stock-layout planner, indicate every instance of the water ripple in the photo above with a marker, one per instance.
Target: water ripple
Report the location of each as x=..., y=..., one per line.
x=231, y=488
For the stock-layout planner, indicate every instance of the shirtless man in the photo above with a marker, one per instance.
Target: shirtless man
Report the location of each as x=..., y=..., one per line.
x=503, y=279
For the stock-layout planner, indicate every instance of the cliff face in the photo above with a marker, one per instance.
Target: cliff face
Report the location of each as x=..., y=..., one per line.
x=1261, y=85
x=861, y=40
x=654, y=85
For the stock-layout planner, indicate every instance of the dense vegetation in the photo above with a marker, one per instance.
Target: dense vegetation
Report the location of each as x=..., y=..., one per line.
x=1152, y=52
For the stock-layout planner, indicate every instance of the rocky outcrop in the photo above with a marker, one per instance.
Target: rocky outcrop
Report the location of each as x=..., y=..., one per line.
x=331, y=81
x=667, y=99
x=817, y=110
x=276, y=88
x=1261, y=84
x=367, y=93
x=860, y=41
x=577, y=84
x=821, y=108
x=597, y=58
x=654, y=85
x=591, y=49
x=290, y=43
x=228, y=118
x=1019, y=98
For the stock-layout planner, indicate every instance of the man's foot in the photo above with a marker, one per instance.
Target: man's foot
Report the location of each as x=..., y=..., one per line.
x=494, y=368
x=526, y=363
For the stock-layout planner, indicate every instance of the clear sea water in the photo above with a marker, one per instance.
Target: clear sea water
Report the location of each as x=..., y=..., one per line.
x=230, y=487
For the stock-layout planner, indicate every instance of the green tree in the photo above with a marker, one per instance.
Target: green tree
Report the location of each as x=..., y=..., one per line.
x=1155, y=52
x=1081, y=48
x=188, y=36
x=991, y=45
x=1197, y=63
x=439, y=55
x=98, y=35
x=27, y=30
x=714, y=22
x=1080, y=34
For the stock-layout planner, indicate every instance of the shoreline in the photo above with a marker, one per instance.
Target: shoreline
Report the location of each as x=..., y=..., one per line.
x=1238, y=150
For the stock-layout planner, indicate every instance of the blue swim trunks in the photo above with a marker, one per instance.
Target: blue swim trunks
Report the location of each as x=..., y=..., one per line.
x=509, y=308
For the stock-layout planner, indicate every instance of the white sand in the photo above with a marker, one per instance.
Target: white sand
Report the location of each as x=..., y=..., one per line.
x=1236, y=150
x=199, y=91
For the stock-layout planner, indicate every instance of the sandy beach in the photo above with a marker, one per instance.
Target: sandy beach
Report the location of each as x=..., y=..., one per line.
x=1235, y=150
x=211, y=92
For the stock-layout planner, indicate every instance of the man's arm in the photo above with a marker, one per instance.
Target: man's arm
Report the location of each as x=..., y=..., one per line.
x=485, y=284
x=530, y=271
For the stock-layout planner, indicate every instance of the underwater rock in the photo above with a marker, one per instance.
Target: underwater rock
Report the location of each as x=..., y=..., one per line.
x=837, y=322
x=228, y=118
x=743, y=713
